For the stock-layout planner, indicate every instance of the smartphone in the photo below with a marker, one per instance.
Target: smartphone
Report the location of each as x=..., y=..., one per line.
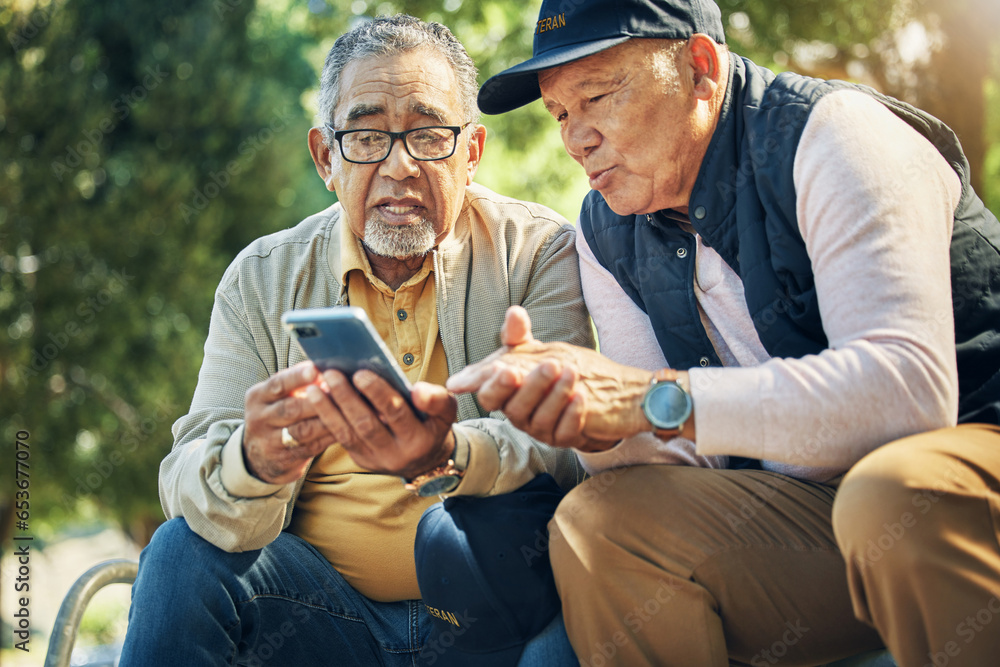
x=344, y=339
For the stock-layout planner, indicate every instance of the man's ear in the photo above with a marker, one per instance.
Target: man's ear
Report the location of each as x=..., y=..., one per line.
x=705, y=64
x=321, y=155
x=477, y=144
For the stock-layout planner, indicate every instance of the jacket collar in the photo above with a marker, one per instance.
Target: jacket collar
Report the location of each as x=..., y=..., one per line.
x=722, y=173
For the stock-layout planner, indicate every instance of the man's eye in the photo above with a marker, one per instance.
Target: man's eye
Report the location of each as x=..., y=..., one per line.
x=561, y=117
x=429, y=137
x=367, y=138
x=597, y=98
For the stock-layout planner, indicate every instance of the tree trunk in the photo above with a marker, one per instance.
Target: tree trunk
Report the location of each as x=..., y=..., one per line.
x=953, y=82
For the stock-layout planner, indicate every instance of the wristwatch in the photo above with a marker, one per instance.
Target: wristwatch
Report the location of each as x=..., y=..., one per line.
x=667, y=404
x=444, y=478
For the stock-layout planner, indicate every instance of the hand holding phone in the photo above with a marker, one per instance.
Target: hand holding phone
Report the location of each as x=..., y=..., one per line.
x=275, y=412
x=344, y=339
x=360, y=412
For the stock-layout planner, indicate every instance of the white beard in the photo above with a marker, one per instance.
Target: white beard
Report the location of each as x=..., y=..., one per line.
x=396, y=241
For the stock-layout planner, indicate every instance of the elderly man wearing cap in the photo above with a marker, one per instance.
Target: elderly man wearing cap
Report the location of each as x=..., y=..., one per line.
x=291, y=534
x=791, y=279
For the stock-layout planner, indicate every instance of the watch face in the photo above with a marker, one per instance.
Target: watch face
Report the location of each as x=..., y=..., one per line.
x=438, y=485
x=666, y=405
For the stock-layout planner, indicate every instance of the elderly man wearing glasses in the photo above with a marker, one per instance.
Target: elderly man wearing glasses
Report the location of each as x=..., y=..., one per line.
x=290, y=539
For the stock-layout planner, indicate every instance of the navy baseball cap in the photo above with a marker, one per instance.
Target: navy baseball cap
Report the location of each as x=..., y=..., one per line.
x=568, y=30
x=484, y=574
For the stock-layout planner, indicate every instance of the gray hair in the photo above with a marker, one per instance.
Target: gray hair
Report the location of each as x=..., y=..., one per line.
x=390, y=35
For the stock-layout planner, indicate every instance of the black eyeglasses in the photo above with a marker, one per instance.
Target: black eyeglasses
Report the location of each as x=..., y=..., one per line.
x=436, y=142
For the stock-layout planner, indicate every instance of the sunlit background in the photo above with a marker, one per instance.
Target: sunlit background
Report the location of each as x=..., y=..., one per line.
x=142, y=145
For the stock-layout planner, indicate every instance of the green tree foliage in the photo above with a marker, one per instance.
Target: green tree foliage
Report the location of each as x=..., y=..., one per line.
x=143, y=146
x=940, y=55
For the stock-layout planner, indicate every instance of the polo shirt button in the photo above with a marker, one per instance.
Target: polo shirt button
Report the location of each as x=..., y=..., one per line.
x=700, y=212
x=682, y=252
x=407, y=358
x=401, y=314
x=704, y=361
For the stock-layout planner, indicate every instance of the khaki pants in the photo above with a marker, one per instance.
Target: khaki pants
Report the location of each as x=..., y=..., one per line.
x=669, y=565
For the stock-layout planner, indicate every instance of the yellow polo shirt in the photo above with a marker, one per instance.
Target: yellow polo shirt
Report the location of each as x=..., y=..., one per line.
x=365, y=523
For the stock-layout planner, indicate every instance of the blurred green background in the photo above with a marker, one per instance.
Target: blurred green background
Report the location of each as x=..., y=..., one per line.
x=142, y=145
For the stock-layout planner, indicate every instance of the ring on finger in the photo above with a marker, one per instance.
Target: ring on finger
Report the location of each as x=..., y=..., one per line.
x=288, y=440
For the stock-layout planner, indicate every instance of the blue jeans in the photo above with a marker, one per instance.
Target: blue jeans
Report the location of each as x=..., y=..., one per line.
x=195, y=604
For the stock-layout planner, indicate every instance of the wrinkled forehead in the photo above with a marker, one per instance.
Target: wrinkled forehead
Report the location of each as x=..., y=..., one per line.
x=596, y=69
x=408, y=85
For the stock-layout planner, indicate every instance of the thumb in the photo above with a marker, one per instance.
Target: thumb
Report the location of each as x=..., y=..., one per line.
x=516, y=328
x=433, y=399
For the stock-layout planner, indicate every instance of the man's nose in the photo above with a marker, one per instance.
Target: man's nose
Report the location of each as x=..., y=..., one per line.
x=580, y=138
x=400, y=164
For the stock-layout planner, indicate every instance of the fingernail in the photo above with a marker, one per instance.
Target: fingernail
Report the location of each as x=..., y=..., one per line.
x=360, y=380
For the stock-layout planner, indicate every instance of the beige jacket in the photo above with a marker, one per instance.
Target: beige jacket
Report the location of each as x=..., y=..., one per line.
x=501, y=252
